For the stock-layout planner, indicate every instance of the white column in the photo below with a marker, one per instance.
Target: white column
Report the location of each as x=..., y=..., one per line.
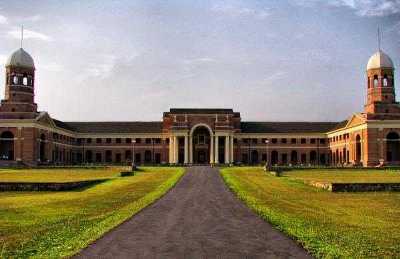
x=190, y=149
x=227, y=159
x=216, y=160
x=175, y=153
x=186, y=160
x=211, y=149
x=231, y=149
x=170, y=150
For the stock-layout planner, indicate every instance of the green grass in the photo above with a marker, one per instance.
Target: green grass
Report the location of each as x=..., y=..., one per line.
x=329, y=225
x=59, y=224
x=345, y=176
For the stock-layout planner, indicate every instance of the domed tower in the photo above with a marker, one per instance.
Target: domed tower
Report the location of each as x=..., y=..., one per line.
x=19, y=101
x=381, y=98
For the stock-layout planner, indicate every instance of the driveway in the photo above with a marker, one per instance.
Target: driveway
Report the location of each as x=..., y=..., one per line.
x=198, y=218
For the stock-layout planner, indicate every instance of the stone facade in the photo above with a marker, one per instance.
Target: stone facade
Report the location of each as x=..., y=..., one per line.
x=197, y=136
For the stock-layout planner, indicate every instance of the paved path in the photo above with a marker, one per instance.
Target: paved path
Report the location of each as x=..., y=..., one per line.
x=199, y=218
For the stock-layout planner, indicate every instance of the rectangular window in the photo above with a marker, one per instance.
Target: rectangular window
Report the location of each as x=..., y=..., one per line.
x=303, y=141
x=88, y=140
x=118, y=140
x=138, y=140
x=283, y=141
x=293, y=141
x=312, y=141
x=128, y=140
x=108, y=140
x=157, y=140
x=98, y=140
x=322, y=141
x=274, y=141
x=148, y=141
x=245, y=141
x=254, y=141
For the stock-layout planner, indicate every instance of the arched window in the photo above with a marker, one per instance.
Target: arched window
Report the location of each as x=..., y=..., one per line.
x=293, y=157
x=313, y=157
x=358, y=149
x=393, y=148
x=7, y=145
x=25, y=80
x=385, y=80
x=15, y=80
x=376, y=81
x=274, y=157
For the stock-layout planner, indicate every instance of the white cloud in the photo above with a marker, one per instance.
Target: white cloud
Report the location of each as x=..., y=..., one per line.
x=28, y=34
x=3, y=19
x=103, y=67
x=3, y=59
x=361, y=7
x=240, y=11
x=33, y=18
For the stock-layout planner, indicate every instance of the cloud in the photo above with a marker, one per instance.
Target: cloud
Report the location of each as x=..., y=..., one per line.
x=3, y=19
x=28, y=34
x=367, y=8
x=240, y=11
x=33, y=18
x=103, y=67
x=3, y=59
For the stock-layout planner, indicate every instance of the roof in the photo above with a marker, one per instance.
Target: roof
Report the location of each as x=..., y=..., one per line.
x=287, y=127
x=112, y=127
x=20, y=58
x=380, y=60
x=199, y=110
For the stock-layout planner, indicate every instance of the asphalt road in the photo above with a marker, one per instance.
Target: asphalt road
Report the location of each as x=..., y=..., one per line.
x=199, y=218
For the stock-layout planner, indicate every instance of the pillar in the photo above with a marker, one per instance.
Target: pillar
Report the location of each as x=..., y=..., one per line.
x=190, y=149
x=176, y=146
x=186, y=158
x=216, y=159
x=227, y=151
x=211, y=149
x=231, y=149
x=170, y=150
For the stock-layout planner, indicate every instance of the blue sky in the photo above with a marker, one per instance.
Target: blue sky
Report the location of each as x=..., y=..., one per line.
x=286, y=60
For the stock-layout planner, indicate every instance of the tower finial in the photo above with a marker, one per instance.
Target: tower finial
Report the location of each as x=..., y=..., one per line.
x=379, y=39
x=22, y=34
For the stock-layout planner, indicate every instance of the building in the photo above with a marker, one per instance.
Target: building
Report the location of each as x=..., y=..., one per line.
x=198, y=136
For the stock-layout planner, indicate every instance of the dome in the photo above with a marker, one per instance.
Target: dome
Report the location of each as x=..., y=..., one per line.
x=380, y=60
x=20, y=58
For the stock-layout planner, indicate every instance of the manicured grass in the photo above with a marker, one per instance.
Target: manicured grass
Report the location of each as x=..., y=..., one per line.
x=49, y=224
x=346, y=225
x=58, y=174
x=345, y=176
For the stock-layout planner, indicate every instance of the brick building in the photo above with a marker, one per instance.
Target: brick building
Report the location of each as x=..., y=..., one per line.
x=198, y=136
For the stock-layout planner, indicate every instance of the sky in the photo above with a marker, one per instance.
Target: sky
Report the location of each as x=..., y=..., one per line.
x=271, y=60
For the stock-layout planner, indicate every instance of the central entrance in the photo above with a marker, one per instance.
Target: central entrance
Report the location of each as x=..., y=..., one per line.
x=201, y=145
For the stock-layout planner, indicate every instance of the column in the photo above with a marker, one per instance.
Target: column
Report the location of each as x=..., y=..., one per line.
x=231, y=149
x=227, y=158
x=176, y=146
x=186, y=159
x=170, y=150
x=190, y=149
x=211, y=149
x=216, y=159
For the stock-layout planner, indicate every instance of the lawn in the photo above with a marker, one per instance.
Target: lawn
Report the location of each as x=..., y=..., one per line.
x=59, y=224
x=329, y=225
x=345, y=176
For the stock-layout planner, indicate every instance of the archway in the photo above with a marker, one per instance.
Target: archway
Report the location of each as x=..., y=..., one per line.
x=293, y=157
x=201, y=144
x=358, y=149
x=42, y=148
x=7, y=146
x=254, y=157
x=393, y=148
x=274, y=157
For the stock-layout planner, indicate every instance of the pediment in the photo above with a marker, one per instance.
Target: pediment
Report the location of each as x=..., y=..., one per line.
x=355, y=120
x=45, y=119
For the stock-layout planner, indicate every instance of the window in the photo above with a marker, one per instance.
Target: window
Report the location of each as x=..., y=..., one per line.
x=157, y=141
x=88, y=140
x=148, y=141
x=293, y=141
x=79, y=141
x=25, y=81
x=15, y=80
x=98, y=140
x=254, y=141
x=235, y=140
x=385, y=80
x=274, y=141
x=118, y=140
x=312, y=141
x=138, y=140
x=128, y=140
x=375, y=81
x=322, y=141
x=245, y=140
x=283, y=141
x=108, y=140
x=303, y=141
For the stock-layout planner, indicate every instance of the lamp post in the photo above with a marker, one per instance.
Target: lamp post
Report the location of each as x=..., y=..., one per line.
x=267, y=164
x=133, y=155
